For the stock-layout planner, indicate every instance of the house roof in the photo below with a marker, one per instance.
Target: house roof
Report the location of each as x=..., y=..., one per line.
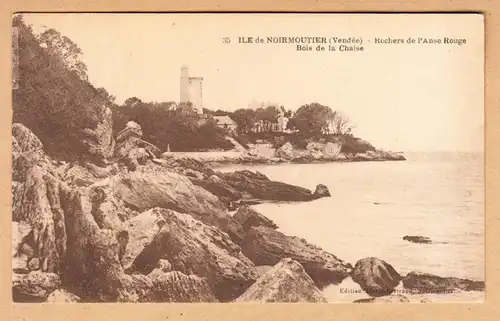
x=224, y=120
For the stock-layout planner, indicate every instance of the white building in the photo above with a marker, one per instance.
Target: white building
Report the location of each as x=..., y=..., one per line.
x=191, y=90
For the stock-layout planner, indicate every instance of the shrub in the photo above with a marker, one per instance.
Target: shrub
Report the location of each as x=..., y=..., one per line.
x=179, y=129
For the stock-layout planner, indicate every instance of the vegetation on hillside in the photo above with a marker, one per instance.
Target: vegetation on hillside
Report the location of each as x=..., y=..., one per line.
x=53, y=96
x=170, y=125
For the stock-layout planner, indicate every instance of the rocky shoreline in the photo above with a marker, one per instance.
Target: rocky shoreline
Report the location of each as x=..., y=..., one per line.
x=146, y=228
x=249, y=158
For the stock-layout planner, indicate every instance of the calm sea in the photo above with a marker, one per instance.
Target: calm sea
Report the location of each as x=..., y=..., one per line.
x=375, y=204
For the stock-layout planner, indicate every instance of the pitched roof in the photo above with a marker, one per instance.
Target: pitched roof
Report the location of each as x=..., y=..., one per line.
x=224, y=120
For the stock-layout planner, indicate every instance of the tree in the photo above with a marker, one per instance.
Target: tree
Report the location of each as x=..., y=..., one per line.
x=104, y=94
x=167, y=105
x=268, y=114
x=341, y=124
x=132, y=102
x=220, y=112
x=61, y=46
x=312, y=119
x=245, y=119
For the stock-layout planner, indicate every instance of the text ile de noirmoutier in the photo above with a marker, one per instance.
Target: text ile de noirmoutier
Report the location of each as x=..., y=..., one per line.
x=342, y=43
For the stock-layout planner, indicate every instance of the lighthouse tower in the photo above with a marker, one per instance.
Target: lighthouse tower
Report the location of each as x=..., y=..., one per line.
x=191, y=90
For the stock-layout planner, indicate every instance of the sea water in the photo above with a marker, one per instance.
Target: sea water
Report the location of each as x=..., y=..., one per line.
x=373, y=205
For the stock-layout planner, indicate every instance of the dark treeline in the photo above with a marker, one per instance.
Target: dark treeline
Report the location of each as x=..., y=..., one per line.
x=170, y=125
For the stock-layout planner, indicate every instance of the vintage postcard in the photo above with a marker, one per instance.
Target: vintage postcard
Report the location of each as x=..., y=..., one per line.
x=233, y=158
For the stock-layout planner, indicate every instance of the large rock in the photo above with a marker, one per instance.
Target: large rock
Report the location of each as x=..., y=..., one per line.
x=331, y=150
x=260, y=187
x=142, y=229
x=314, y=146
x=164, y=287
x=108, y=210
x=376, y=277
x=37, y=204
x=265, y=246
x=285, y=151
x=249, y=217
x=34, y=287
x=93, y=270
x=24, y=140
x=131, y=150
x=158, y=187
x=84, y=174
x=321, y=191
x=19, y=258
x=285, y=282
x=428, y=283
x=99, y=141
x=195, y=248
x=219, y=187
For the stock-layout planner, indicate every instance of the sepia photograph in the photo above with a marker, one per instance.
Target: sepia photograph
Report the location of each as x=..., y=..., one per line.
x=247, y=158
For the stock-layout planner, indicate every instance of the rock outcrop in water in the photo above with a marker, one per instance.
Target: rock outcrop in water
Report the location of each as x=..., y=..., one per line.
x=376, y=277
x=419, y=282
x=265, y=246
x=285, y=282
x=417, y=239
x=244, y=186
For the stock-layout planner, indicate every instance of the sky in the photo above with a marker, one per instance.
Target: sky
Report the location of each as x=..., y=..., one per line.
x=403, y=97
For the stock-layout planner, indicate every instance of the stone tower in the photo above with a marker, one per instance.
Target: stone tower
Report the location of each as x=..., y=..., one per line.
x=191, y=90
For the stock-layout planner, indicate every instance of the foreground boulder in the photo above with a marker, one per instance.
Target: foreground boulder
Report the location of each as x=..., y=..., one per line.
x=192, y=247
x=34, y=287
x=158, y=187
x=376, y=277
x=142, y=229
x=397, y=298
x=266, y=246
x=164, y=287
x=285, y=282
x=37, y=204
x=417, y=239
x=428, y=283
x=93, y=270
x=249, y=217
